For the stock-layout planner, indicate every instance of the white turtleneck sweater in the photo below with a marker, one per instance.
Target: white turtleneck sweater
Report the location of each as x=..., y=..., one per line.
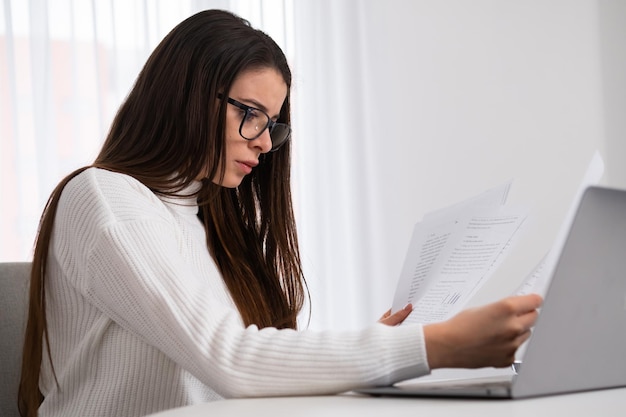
x=140, y=320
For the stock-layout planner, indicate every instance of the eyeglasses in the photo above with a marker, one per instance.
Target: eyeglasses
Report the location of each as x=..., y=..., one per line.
x=255, y=121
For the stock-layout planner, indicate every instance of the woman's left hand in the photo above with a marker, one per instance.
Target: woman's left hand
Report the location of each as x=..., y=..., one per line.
x=397, y=317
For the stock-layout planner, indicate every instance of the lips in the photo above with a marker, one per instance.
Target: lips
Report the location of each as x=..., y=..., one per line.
x=251, y=164
x=247, y=166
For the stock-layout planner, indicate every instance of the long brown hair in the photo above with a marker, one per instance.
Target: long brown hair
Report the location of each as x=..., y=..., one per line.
x=169, y=130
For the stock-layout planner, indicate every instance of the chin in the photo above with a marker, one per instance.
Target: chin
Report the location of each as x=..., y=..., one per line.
x=229, y=182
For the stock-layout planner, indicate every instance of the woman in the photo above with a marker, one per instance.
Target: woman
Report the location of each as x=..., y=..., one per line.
x=168, y=273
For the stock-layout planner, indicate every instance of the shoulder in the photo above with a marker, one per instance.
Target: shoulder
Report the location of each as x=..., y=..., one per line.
x=97, y=201
x=102, y=180
x=106, y=196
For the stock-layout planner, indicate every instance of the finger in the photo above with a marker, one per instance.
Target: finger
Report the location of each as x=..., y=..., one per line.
x=397, y=317
x=384, y=316
x=526, y=303
x=519, y=340
x=528, y=320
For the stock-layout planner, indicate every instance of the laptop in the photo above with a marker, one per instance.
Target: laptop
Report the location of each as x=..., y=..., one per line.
x=579, y=340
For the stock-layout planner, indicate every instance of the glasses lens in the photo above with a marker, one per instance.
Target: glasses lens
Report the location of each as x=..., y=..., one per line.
x=253, y=124
x=280, y=134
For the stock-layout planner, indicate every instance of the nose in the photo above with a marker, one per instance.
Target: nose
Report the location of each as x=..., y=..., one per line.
x=263, y=142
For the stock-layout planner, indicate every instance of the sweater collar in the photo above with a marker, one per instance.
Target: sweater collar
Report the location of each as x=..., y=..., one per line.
x=185, y=201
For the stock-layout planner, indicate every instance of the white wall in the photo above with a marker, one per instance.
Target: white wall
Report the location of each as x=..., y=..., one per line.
x=418, y=104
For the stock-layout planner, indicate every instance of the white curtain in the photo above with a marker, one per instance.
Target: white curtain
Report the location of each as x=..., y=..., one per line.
x=336, y=166
x=66, y=67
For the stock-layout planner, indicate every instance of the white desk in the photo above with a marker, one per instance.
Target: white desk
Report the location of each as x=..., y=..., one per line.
x=605, y=403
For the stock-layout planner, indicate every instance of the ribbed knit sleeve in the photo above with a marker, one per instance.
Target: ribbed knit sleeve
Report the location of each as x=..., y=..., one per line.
x=142, y=264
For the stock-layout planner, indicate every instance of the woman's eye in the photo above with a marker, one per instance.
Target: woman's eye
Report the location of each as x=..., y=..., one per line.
x=251, y=115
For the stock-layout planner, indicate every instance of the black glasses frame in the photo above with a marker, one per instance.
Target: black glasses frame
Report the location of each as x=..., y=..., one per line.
x=284, y=128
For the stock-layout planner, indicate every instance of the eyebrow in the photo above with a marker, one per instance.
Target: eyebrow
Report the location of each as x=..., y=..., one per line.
x=258, y=105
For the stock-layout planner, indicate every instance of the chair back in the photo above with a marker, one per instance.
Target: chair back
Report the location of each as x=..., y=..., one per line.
x=14, y=279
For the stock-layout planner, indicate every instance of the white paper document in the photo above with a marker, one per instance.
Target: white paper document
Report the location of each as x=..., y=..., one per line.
x=453, y=252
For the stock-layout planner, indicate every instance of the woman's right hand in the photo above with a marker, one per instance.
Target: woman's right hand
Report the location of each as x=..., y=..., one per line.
x=483, y=336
